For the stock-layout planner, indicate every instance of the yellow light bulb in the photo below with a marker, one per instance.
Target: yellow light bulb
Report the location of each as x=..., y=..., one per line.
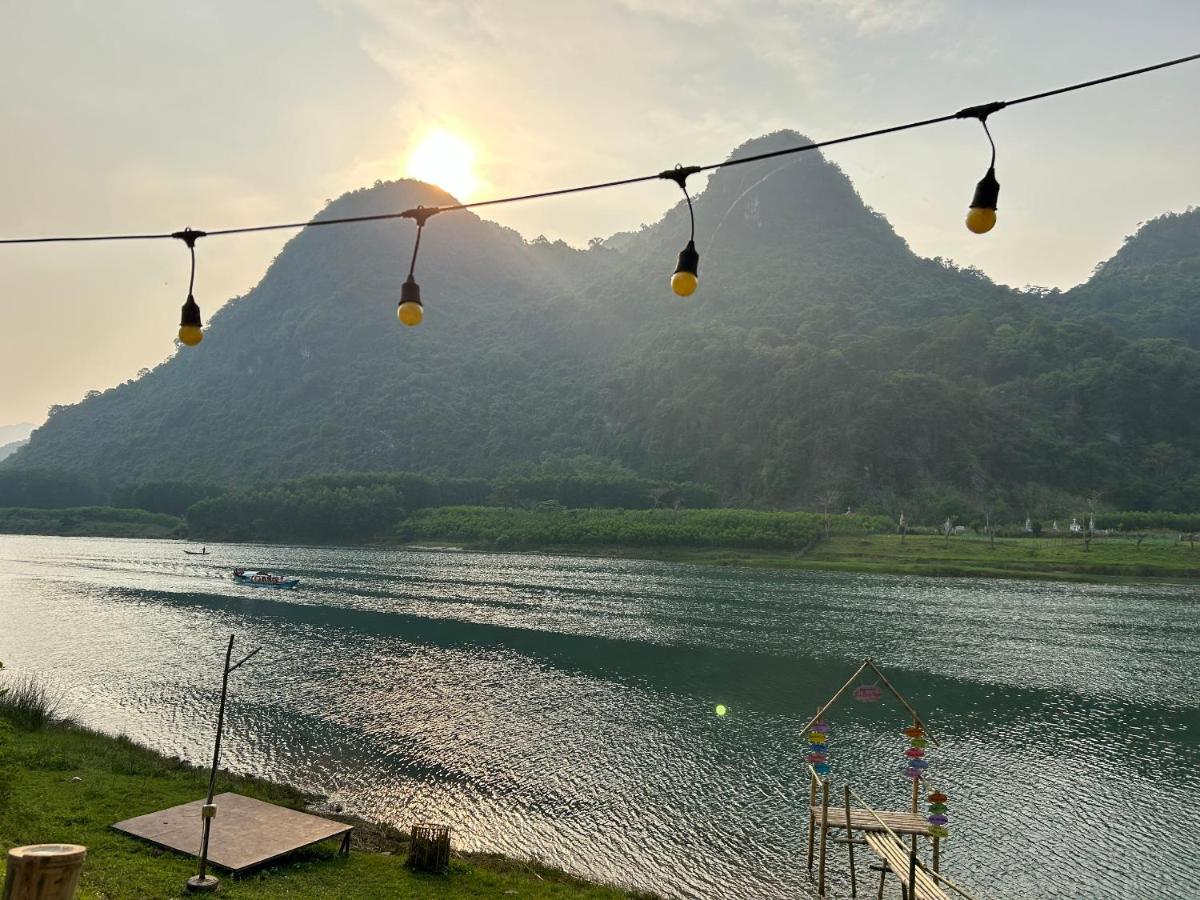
x=684, y=283
x=191, y=335
x=980, y=219
x=410, y=313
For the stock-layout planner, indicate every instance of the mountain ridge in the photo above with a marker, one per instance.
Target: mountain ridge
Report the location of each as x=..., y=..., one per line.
x=820, y=356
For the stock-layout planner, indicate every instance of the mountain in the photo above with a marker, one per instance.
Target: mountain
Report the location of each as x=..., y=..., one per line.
x=7, y=450
x=820, y=361
x=1149, y=288
x=10, y=433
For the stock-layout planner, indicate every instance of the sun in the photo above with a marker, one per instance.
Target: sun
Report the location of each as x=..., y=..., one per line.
x=444, y=159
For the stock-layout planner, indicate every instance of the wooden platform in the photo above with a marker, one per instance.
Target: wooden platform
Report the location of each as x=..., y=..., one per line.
x=245, y=833
x=895, y=857
x=862, y=820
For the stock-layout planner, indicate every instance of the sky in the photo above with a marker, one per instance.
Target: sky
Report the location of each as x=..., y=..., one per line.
x=136, y=115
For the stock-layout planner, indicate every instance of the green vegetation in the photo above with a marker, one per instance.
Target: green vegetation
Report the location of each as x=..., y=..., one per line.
x=368, y=506
x=557, y=527
x=1054, y=559
x=61, y=783
x=99, y=521
x=821, y=363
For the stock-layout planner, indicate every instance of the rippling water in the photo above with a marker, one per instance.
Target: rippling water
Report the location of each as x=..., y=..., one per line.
x=562, y=708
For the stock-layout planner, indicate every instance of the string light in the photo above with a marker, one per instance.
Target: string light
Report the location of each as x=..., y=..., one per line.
x=191, y=329
x=410, y=312
x=687, y=272
x=981, y=217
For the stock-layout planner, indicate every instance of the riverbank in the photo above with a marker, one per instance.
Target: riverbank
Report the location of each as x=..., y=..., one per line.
x=66, y=784
x=1111, y=558
x=90, y=521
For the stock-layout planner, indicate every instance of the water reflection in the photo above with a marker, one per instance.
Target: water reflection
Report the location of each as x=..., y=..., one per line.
x=563, y=708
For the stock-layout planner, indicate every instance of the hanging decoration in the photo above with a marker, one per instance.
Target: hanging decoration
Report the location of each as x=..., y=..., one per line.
x=191, y=328
x=410, y=312
x=937, y=814
x=915, y=763
x=818, y=747
x=687, y=272
x=981, y=217
x=868, y=693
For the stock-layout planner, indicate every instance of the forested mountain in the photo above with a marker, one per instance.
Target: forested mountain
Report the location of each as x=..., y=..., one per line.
x=820, y=361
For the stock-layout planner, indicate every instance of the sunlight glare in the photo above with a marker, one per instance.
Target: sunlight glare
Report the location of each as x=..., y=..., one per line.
x=446, y=160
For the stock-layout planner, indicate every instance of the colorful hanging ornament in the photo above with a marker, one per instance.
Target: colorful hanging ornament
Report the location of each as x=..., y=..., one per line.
x=868, y=693
x=818, y=746
x=915, y=764
x=937, y=815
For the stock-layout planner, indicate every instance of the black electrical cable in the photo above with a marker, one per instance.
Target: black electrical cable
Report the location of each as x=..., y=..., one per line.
x=975, y=112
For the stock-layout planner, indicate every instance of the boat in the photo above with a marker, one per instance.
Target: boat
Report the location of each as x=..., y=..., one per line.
x=203, y=551
x=264, y=579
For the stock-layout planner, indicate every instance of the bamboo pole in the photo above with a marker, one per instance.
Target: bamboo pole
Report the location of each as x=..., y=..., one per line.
x=895, y=693
x=832, y=700
x=812, y=816
x=824, y=833
x=850, y=846
x=936, y=876
x=936, y=854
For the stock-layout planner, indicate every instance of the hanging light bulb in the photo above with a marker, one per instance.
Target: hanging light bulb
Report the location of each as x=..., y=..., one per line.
x=981, y=217
x=687, y=272
x=686, y=277
x=410, y=312
x=191, y=328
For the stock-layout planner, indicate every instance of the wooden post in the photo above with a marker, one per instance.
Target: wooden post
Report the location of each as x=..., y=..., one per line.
x=912, y=869
x=44, y=872
x=850, y=846
x=824, y=834
x=203, y=882
x=812, y=817
x=937, y=858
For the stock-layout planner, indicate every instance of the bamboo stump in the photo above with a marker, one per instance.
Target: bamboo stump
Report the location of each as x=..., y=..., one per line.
x=429, y=850
x=44, y=872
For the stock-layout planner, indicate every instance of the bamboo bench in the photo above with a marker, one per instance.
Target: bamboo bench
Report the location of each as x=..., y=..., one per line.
x=895, y=858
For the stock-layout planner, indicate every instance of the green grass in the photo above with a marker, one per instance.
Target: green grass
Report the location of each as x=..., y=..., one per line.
x=1053, y=559
x=41, y=802
x=1046, y=558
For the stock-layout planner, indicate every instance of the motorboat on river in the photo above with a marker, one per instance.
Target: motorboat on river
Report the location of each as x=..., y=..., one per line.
x=260, y=578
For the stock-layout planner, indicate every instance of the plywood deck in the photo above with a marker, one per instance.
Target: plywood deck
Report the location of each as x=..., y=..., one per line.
x=862, y=820
x=245, y=833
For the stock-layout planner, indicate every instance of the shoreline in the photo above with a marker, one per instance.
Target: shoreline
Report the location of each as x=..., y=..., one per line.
x=1109, y=559
x=65, y=783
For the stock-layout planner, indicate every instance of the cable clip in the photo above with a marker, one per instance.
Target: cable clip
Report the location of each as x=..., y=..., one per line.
x=421, y=214
x=982, y=111
x=189, y=237
x=679, y=175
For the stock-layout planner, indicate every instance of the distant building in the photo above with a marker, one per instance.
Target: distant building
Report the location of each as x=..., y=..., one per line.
x=1076, y=528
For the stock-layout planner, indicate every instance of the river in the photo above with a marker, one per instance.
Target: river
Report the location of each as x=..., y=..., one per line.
x=563, y=708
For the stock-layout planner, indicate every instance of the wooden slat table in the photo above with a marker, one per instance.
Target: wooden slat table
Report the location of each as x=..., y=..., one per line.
x=862, y=820
x=245, y=833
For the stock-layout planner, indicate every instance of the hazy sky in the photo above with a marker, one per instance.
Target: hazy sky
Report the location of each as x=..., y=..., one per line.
x=153, y=115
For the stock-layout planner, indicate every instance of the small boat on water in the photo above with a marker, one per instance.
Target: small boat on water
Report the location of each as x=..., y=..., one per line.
x=203, y=551
x=264, y=579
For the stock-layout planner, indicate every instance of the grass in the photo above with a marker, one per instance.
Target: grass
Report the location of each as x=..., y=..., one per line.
x=27, y=703
x=62, y=783
x=1109, y=558
x=1062, y=559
